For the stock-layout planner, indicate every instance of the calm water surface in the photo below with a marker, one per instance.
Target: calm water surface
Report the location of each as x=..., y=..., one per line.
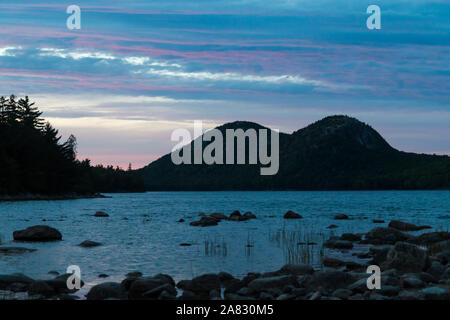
x=149, y=238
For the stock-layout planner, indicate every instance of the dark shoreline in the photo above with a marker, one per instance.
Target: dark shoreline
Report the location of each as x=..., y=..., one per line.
x=41, y=197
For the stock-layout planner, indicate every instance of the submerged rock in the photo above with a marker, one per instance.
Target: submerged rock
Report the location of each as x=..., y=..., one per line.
x=341, y=217
x=89, y=244
x=292, y=215
x=101, y=214
x=37, y=234
x=14, y=250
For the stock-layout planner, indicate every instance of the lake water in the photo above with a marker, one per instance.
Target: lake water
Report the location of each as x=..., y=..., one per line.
x=149, y=241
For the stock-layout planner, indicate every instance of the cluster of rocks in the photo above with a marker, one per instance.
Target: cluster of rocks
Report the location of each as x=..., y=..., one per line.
x=413, y=268
x=55, y=288
x=213, y=219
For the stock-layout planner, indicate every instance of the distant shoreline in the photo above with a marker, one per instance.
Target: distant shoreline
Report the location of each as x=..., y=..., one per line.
x=37, y=197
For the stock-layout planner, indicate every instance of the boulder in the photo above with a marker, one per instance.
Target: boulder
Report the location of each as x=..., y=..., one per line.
x=404, y=226
x=202, y=284
x=406, y=257
x=89, y=244
x=332, y=226
x=411, y=282
x=59, y=284
x=436, y=269
x=343, y=294
x=169, y=290
x=37, y=234
x=261, y=284
x=40, y=287
x=341, y=217
x=292, y=215
x=430, y=238
x=377, y=221
x=381, y=235
x=329, y=280
x=6, y=280
x=379, y=253
x=140, y=286
x=436, y=293
x=338, y=244
x=107, y=290
x=101, y=214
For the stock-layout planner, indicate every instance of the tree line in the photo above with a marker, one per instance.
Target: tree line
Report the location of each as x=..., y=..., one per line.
x=34, y=160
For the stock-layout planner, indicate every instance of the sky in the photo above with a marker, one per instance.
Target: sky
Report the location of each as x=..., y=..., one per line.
x=137, y=70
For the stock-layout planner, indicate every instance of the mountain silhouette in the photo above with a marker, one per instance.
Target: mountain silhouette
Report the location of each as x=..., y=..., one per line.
x=335, y=153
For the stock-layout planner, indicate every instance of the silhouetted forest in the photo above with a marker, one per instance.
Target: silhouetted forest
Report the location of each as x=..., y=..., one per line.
x=33, y=160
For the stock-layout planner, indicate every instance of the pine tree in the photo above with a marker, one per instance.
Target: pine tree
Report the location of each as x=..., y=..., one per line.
x=3, y=104
x=12, y=111
x=50, y=134
x=29, y=115
x=69, y=148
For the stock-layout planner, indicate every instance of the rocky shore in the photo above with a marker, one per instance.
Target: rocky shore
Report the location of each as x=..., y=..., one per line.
x=412, y=268
x=36, y=197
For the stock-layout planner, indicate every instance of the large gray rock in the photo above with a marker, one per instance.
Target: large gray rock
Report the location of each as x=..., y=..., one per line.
x=341, y=217
x=37, y=233
x=406, y=257
x=261, y=284
x=107, y=290
x=380, y=236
